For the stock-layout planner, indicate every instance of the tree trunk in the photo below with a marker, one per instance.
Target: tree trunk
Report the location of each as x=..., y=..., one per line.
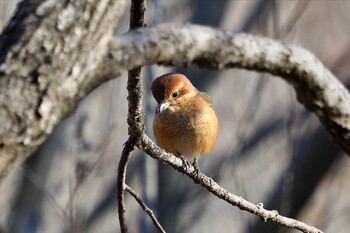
x=48, y=54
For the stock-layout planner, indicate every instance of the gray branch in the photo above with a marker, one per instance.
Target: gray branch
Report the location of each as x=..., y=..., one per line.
x=316, y=87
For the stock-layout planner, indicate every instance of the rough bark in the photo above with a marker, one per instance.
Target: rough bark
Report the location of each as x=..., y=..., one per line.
x=48, y=57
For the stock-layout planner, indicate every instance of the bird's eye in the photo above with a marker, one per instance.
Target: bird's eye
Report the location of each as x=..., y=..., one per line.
x=175, y=94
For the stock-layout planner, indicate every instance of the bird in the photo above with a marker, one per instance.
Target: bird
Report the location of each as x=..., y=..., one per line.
x=185, y=123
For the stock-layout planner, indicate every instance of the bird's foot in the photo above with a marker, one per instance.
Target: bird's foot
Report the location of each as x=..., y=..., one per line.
x=185, y=163
x=195, y=164
x=197, y=171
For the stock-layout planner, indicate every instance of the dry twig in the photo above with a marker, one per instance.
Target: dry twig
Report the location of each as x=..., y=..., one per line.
x=145, y=208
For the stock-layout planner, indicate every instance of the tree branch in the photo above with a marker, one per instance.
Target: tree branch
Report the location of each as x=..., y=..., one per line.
x=145, y=208
x=157, y=153
x=316, y=87
x=129, y=146
x=135, y=117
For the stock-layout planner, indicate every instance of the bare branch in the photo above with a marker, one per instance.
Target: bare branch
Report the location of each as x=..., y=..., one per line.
x=145, y=208
x=123, y=162
x=156, y=152
x=135, y=117
x=316, y=87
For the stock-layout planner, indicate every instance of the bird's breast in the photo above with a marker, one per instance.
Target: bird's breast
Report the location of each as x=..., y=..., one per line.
x=188, y=128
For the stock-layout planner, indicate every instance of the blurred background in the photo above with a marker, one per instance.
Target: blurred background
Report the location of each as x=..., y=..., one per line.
x=269, y=149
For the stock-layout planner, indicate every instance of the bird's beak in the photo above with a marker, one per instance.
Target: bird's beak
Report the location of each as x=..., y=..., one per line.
x=162, y=106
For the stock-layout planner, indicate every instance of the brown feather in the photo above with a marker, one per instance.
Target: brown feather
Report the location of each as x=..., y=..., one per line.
x=189, y=125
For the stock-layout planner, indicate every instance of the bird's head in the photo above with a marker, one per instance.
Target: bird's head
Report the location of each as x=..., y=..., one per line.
x=168, y=89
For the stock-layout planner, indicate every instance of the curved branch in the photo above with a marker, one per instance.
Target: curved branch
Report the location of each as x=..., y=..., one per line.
x=156, y=152
x=316, y=87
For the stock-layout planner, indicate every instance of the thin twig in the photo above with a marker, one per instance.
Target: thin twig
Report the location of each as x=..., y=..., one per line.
x=156, y=152
x=145, y=208
x=135, y=117
x=124, y=159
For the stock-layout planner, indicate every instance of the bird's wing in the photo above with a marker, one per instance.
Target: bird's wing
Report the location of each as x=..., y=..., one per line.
x=205, y=97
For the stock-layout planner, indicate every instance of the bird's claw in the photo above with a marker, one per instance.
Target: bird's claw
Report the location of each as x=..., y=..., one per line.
x=195, y=164
x=185, y=163
x=197, y=171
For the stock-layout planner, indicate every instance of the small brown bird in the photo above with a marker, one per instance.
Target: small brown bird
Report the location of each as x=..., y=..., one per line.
x=185, y=123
